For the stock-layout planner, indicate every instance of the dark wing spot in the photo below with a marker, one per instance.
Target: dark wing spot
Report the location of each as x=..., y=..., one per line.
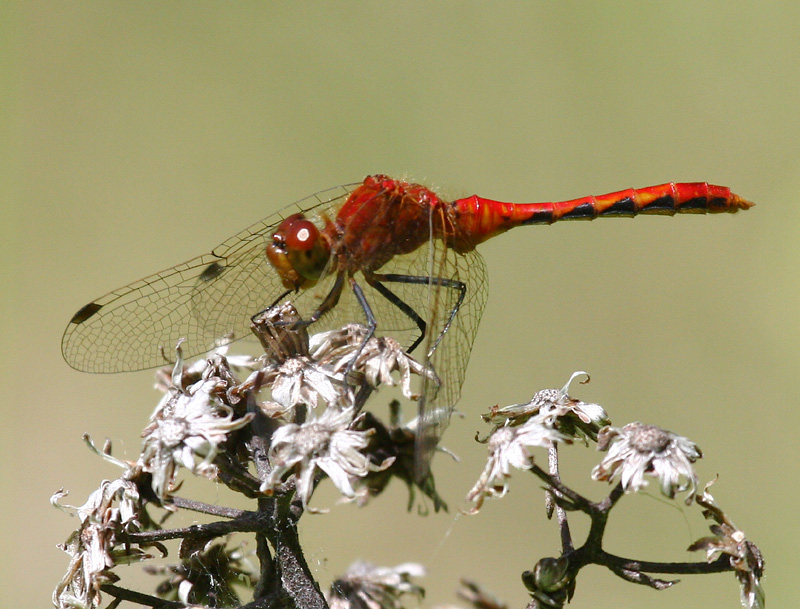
x=212, y=271
x=85, y=313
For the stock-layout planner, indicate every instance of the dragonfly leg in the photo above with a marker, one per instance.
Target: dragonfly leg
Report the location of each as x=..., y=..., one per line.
x=444, y=282
x=274, y=302
x=402, y=305
x=330, y=301
x=372, y=323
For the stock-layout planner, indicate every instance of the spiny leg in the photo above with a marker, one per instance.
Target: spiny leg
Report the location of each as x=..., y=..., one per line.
x=372, y=324
x=274, y=302
x=331, y=299
x=430, y=425
x=402, y=305
x=362, y=300
x=444, y=282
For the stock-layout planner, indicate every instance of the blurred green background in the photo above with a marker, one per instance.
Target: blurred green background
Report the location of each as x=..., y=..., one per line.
x=137, y=135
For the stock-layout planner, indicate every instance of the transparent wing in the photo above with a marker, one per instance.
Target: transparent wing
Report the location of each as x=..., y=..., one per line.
x=449, y=358
x=201, y=300
x=449, y=344
x=449, y=336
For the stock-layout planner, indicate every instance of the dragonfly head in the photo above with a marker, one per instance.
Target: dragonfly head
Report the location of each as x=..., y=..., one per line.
x=298, y=252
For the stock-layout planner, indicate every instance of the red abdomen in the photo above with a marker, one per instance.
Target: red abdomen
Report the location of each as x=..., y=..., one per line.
x=479, y=219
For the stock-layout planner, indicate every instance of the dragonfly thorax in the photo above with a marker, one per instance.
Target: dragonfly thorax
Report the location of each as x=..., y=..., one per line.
x=384, y=218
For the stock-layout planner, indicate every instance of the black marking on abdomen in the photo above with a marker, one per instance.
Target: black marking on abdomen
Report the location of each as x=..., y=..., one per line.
x=624, y=207
x=584, y=211
x=543, y=216
x=698, y=203
x=664, y=203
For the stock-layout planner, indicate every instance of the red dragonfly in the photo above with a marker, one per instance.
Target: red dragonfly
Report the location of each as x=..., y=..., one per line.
x=386, y=251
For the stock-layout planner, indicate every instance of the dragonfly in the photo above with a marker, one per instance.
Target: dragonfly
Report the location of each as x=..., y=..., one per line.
x=386, y=251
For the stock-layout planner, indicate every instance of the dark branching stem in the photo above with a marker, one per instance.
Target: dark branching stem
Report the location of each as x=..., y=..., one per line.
x=291, y=574
x=613, y=562
x=591, y=552
x=565, y=496
x=285, y=577
x=246, y=522
x=207, y=508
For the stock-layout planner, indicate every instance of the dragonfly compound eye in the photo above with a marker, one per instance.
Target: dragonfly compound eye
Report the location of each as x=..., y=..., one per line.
x=298, y=252
x=301, y=235
x=307, y=250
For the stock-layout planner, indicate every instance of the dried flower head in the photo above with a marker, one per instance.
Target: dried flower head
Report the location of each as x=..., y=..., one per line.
x=295, y=378
x=637, y=450
x=299, y=381
x=509, y=446
x=326, y=443
x=337, y=343
x=189, y=425
x=281, y=332
x=574, y=418
x=728, y=540
x=98, y=544
x=366, y=586
x=348, y=350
